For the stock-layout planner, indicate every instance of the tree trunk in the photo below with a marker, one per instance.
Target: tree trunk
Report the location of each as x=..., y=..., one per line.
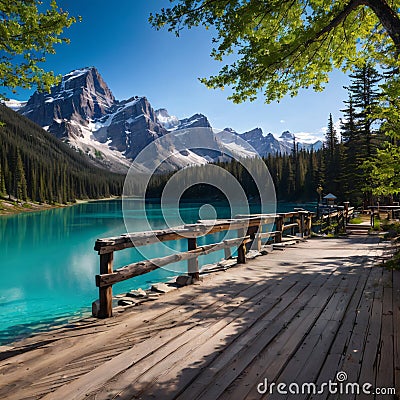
x=388, y=18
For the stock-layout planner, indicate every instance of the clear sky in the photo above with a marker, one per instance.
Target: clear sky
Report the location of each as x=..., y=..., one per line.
x=135, y=59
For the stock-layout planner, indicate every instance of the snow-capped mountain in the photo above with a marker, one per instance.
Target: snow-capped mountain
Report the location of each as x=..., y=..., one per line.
x=166, y=120
x=82, y=111
x=262, y=144
x=14, y=104
x=288, y=140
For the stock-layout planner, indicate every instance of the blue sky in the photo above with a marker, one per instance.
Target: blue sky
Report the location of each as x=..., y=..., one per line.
x=135, y=59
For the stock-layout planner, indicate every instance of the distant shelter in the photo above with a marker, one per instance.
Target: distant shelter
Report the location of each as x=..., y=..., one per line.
x=329, y=199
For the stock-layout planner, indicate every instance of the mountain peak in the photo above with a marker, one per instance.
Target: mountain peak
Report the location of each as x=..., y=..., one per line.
x=287, y=136
x=230, y=130
x=166, y=120
x=81, y=92
x=195, y=121
x=78, y=72
x=254, y=134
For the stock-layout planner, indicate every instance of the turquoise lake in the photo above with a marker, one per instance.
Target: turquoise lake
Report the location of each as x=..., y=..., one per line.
x=49, y=264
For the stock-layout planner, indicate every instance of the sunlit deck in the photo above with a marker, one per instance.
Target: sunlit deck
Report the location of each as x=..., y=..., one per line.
x=299, y=315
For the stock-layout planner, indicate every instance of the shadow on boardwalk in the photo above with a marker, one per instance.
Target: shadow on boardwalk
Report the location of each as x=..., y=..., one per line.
x=300, y=315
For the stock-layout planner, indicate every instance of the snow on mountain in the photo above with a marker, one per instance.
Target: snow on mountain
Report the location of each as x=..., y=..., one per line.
x=267, y=144
x=82, y=111
x=166, y=120
x=14, y=104
x=195, y=121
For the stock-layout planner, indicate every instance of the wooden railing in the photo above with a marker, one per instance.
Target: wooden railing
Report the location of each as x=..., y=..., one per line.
x=340, y=218
x=392, y=212
x=249, y=235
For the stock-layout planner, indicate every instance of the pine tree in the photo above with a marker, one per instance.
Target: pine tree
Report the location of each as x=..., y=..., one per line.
x=331, y=157
x=20, y=179
x=384, y=168
x=359, y=136
x=2, y=182
x=365, y=93
x=38, y=166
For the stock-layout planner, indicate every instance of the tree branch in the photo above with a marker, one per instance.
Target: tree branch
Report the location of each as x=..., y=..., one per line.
x=353, y=4
x=388, y=18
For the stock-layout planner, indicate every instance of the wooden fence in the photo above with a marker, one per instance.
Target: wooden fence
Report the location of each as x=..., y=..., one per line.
x=391, y=212
x=338, y=219
x=249, y=235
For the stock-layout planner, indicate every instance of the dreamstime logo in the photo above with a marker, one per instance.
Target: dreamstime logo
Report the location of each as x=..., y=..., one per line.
x=330, y=387
x=174, y=156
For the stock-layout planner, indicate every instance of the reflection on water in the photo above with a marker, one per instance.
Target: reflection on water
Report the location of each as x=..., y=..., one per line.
x=49, y=263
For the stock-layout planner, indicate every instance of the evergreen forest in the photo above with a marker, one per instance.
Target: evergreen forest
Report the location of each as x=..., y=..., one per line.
x=358, y=164
x=36, y=166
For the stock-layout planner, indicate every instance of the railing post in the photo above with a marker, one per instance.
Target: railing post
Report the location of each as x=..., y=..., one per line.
x=279, y=229
x=346, y=212
x=308, y=224
x=302, y=227
x=227, y=253
x=193, y=263
x=105, y=293
x=292, y=228
x=251, y=231
x=241, y=251
x=258, y=237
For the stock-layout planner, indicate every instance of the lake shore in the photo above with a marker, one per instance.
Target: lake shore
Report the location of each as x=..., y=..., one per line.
x=12, y=207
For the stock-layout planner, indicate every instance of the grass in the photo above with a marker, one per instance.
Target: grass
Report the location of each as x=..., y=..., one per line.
x=377, y=225
x=356, y=220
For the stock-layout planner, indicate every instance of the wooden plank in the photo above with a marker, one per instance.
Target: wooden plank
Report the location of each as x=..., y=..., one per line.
x=359, y=308
x=385, y=370
x=241, y=251
x=396, y=328
x=263, y=217
x=279, y=226
x=302, y=227
x=232, y=341
x=291, y=320
x=153, y=358
x=258, y=238
x=105, y=292
x=353, y=353
x=290, y=226
x=158, y=316
x=266, y=235
x=212, y=336
x=372, y=346
x=205, y=291
x=143, y=267
x=274, y=358
x=138, y=239
x=227, y=253
x=252, y=232
x=306, y=362
x=358, y=226
x=78, y=389
x=334, y=357
x=193, y=263
x=185, y=360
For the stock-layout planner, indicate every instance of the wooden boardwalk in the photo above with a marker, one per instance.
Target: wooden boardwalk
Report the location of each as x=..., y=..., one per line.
x=299, y=315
